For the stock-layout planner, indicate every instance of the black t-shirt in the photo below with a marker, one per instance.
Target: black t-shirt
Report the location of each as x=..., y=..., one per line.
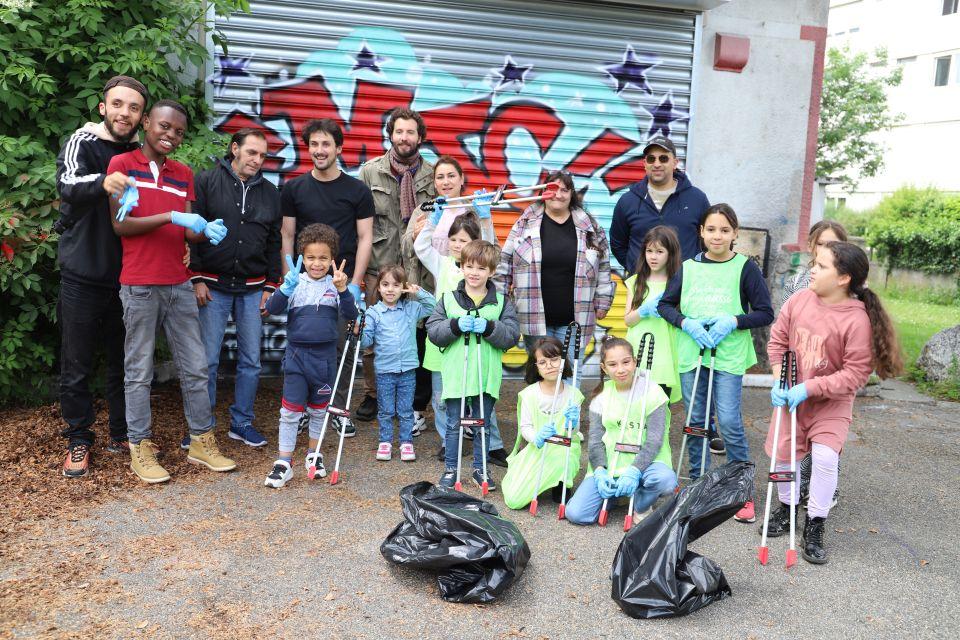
x=558, y=244
x=338, y=203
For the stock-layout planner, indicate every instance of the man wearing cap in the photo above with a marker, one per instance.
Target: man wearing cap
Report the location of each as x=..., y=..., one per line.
x=664, y=196
x=89, y=310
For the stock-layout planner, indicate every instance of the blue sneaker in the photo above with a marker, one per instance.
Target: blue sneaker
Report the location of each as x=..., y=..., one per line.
x=449, y=478
x=185, y=443
x=246, y=434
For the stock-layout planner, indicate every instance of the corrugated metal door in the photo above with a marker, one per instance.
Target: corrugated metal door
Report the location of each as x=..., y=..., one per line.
x=512, y=89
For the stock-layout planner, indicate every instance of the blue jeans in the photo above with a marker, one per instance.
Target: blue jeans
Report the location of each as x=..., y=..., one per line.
x=440, y=417
x=558, y=332
x=395, y=398
x=452, y=438
x=727, y=390
x=245, y=309
x=658, y=480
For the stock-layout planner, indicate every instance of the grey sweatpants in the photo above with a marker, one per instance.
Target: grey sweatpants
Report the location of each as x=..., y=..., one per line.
x=174, y=307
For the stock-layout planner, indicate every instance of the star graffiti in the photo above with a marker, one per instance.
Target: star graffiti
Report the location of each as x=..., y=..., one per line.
x=512, y=73
x=663, y=115
x=367, y=59
x=228, y=68
x=631, y=71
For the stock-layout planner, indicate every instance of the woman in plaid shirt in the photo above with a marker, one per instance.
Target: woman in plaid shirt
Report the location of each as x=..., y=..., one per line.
x=569, y=282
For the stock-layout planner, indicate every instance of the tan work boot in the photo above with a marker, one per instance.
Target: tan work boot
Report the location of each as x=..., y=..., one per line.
x=204, y=450
x=143, y=461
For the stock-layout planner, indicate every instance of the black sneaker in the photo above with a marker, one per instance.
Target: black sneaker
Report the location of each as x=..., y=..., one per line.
x=497, y=457
x=468, y=433
x=367, y=410
x=556, y=494
x=717, y=447
x=346, y=424
x=303, y=423
x=812, y=544
x=448, y=479
x=442, y=454
x=477, y=477
x=779, y=522
x=118, y=445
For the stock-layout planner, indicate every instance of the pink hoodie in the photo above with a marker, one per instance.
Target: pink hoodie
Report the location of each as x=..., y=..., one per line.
x=833, y=344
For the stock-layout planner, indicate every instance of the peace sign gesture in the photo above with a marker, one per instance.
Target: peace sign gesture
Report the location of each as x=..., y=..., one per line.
x=340, y=276
x=292, y=278
x=411, y=289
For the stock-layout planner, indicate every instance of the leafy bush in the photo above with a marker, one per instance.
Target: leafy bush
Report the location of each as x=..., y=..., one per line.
x=917, y=229
x=855, y=222
x=55, y=56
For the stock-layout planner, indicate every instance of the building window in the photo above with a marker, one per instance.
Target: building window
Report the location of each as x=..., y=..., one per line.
x=943, y=72
x=950, y=6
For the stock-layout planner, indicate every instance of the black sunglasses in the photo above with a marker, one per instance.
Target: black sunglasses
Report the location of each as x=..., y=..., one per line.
x=664, y=159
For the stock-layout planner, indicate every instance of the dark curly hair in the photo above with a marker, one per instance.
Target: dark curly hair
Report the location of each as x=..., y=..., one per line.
x=319, y=233
x=403, y=113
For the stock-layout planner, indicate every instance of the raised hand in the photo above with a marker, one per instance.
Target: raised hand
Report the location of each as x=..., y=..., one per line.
x=411, y=289
x=439, y=205
x=215, y=231
x=419, y=223
x=292, y=279
x=481, y=204
x=340, y=279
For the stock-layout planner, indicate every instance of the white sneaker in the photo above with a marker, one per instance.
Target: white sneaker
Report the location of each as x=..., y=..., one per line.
x=419, y=424
x=280, y=475
x=406, y=452
x=384, y=451
x=315, y=458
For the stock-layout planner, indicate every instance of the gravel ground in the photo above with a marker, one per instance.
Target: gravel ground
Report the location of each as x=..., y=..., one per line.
x=213, y=555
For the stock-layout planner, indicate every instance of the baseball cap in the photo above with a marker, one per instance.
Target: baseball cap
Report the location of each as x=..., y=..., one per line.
x=660, y=141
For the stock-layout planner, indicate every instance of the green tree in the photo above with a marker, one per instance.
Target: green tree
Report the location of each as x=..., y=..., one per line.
x=853, y=108
x=55, y=56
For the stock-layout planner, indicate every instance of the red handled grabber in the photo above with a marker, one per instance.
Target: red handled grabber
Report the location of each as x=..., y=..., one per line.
x=628, y=519
x=553, y=415
x=464, y=421
x=602, y=519
x=698, y=432
x=481, y=423
x=497, y=200
x=572, y=430
x=345, y=412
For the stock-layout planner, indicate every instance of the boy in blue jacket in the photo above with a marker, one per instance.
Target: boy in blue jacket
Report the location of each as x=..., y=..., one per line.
x=312, y=300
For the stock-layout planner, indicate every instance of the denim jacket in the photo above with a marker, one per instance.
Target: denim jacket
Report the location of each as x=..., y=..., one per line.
x=393, y=332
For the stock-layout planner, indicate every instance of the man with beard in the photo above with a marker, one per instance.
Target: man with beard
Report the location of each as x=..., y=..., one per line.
x=235, y=277
x=329, y=196
x=400, y=180
x=89, y=310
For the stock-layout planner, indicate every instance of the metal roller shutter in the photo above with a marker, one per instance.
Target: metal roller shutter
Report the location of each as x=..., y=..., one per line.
x=512, y=89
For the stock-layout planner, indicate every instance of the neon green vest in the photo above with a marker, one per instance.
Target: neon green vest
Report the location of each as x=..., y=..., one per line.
x=665, y=367
x=713, y=289
x=613, y=410
x=447, y=280
x=451, y=365
x=520, y=481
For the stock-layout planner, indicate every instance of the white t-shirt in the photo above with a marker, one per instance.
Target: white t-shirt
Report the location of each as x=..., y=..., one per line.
x=659, y=196
x=545, y=401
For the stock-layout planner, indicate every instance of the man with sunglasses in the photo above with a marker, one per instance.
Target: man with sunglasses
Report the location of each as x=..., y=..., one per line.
x=664, y=196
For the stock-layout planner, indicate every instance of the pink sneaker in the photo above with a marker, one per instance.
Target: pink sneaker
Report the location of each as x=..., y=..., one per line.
x=384, y=451
x=746, y=514
x=406, y=452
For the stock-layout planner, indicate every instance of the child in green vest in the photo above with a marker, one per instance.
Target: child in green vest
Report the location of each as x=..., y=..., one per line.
x=716, y=298
x=659, y=261
x=646, y=474
x=476, y=308
x=536, y=423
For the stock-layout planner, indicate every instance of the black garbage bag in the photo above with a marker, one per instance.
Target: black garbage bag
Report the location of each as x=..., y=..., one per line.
x=654, y=574
x=479, y=554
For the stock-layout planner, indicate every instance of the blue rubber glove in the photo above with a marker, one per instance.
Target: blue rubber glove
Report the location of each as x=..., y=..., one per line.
x=694, y=328
x=778, y=396
x=606, y=486
x=649, y=308
x=191, y=221
x=795, y=395
x=722, y=326
x=128, y=201
x=479, y=325
x=215, y=231
x=572, y=414
x=354, y=290
x=545, y=432
x=292, y=279
x=466, y=324
x=627, y=483
x=438, y=206
x=481, y=204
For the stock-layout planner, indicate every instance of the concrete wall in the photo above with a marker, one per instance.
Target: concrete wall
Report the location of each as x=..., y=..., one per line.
x=749, y=130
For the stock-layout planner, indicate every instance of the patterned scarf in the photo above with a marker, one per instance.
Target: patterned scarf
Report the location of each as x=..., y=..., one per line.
x=405, y=168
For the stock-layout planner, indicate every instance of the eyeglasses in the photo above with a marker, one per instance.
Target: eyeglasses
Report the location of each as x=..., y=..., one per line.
x=546, y=361
x=664, y=159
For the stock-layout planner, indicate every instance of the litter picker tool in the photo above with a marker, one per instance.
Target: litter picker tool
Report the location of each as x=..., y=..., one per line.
x=553, y=414
x=628, y=519
x=571, y=429
x=497, y=200
x=779, y=476
x=792, y=551
x=464, y=420
x=312, y=471
x=355, y=337
x=699, y=432
x=481, y=423
x=602, y=519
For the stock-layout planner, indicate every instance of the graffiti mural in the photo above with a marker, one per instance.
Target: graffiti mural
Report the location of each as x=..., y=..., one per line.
x=510, y=127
